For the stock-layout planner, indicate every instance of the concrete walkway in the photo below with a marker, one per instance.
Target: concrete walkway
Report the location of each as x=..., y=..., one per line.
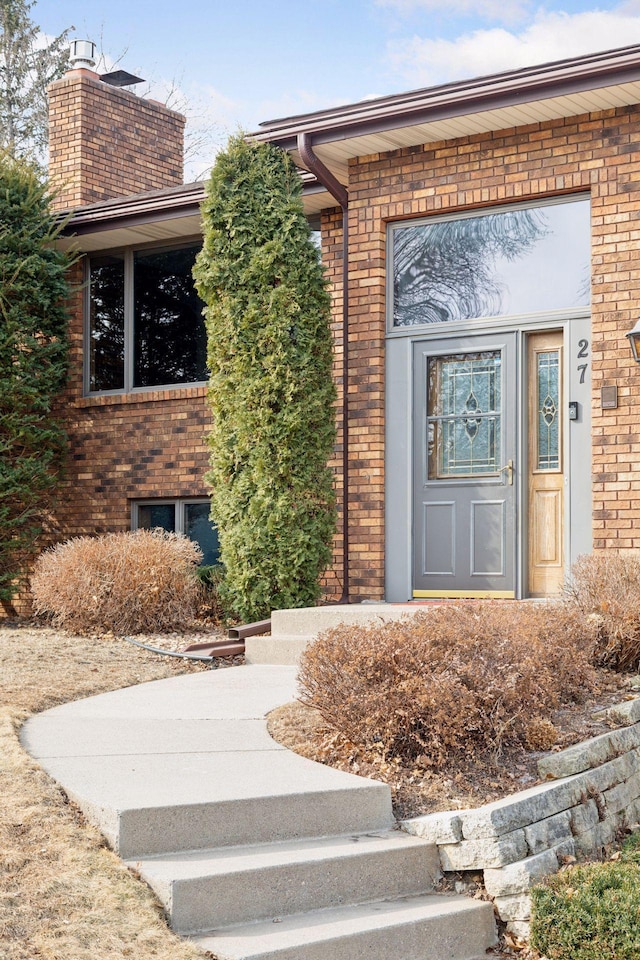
x=233, y=831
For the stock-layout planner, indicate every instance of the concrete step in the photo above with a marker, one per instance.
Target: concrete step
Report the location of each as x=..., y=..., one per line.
x=302, y=805
x=292, y=630
x=214, y=888
x=430, y=927
x=278, y=650
x=312, y=620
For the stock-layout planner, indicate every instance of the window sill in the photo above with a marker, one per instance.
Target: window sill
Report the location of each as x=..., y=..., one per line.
x=143, y=396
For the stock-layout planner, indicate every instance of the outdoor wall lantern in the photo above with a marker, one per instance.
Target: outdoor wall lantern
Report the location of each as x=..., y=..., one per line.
x=634, y=341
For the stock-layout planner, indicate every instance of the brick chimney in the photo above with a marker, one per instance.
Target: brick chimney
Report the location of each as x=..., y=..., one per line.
x=107, y=142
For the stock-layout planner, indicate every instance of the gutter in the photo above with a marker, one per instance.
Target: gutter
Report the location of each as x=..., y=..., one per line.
x=339, y=192
x=165, y=204
x=562, y=78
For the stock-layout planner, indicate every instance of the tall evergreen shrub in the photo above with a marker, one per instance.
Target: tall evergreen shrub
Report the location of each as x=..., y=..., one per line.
x=271, y=389
x=33, y=364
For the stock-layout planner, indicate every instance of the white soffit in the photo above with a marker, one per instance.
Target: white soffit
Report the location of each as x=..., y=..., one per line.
x=336, y=154
x=314, y=203
x=106, y=237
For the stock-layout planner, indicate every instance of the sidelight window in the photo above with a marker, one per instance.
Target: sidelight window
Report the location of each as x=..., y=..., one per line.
x=547, y=427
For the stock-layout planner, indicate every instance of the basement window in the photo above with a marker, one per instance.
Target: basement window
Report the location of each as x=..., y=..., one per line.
x=190, y=517
x=145, y=327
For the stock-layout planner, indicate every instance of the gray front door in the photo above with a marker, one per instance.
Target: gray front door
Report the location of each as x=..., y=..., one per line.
x=464, y=530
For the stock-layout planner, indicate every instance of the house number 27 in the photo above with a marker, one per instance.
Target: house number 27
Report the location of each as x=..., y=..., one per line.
x=583, y=351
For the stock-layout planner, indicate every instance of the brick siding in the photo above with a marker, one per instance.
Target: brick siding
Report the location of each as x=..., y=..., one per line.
x=595, y=154
x=151, y=444
x=126, y=447
x=331, y=233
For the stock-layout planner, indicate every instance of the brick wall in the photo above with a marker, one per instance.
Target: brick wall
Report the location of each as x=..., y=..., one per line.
x=331, y=232
x=596, y=154
x=106, y=142
x=125, y=448
x=151, y=444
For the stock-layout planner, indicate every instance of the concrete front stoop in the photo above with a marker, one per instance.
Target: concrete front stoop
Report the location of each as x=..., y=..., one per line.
x=292, y=630
x=256, y=853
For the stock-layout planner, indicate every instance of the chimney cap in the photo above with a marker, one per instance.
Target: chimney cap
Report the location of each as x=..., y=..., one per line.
x=120, y=78
x=82, y=54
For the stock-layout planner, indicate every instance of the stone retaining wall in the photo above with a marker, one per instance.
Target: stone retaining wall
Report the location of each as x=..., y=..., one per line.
x=592, y=790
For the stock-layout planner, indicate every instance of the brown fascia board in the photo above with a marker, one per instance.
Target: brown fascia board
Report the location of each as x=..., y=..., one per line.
x=167, y=204
x=560, y=78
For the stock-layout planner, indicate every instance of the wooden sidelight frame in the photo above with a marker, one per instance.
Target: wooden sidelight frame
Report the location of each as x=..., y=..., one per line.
x=546, y=468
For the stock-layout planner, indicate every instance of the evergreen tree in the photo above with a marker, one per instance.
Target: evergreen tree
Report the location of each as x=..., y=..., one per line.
x=33, y=364
x=271, y=388
x=28, y=65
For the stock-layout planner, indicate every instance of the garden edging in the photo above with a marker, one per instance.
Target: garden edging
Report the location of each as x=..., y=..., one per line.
x=592, y=791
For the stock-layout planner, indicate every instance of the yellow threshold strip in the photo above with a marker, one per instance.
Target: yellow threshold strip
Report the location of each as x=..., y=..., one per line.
x=464, y=594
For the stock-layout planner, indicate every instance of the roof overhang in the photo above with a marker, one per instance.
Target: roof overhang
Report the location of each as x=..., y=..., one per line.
x=161, y=215
x=168, y=214
x=501, y=101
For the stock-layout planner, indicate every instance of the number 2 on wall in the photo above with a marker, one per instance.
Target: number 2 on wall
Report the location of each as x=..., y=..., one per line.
x=583, y=351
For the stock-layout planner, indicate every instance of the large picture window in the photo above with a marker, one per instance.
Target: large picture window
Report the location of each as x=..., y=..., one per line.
x=145, y=325
x=521, y=260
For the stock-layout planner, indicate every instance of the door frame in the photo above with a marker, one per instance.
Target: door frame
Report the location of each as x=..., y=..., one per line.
x=399, y=452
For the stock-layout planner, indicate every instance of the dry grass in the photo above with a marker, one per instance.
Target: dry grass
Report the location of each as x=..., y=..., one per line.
x=63, y=894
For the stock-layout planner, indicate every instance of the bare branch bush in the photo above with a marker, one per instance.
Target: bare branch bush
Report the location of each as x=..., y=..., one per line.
x=142, y=581
x=451, y=680
x=605, y=587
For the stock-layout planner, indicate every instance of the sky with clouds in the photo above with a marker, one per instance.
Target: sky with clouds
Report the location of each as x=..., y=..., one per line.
x=235, y=64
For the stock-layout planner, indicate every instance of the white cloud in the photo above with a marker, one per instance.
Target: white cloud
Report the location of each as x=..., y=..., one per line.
x=551, y=36
x=502, y=11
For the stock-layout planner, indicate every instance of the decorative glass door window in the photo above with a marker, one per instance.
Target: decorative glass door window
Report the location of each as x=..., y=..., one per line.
x=464, y=415
x=547, y=405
